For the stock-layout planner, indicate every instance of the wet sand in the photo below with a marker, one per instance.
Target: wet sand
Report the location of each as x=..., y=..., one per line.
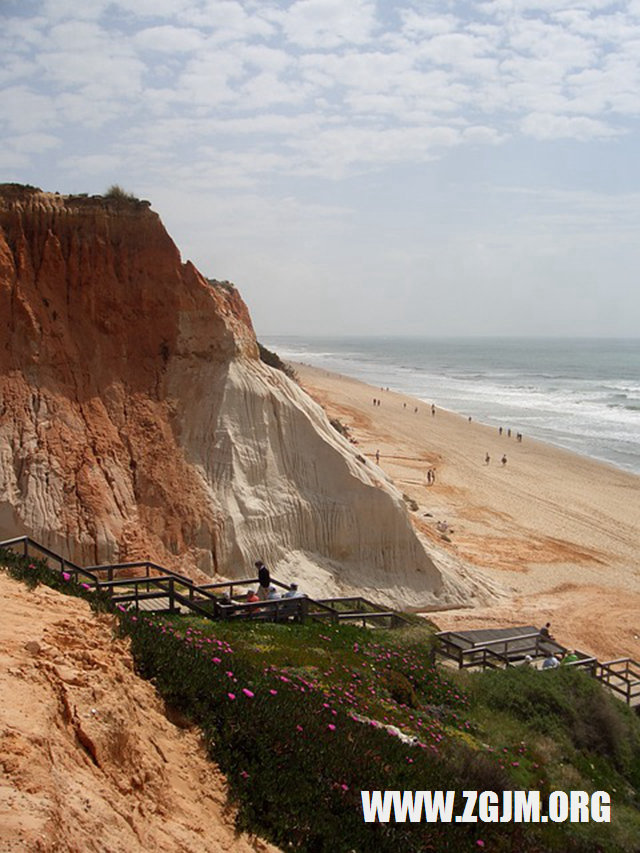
x=556, y=534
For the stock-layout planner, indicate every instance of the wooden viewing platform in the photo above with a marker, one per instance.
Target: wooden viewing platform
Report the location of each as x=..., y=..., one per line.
x=499, y=648
x=145, y=585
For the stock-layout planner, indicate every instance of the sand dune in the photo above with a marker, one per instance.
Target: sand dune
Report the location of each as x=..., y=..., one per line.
x=554, y=535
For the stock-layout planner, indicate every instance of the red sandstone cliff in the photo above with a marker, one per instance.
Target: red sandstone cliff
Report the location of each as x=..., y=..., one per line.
x=137, y=420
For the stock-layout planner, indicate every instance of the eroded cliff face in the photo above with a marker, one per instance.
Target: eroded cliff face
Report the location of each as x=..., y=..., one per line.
x=137, y=420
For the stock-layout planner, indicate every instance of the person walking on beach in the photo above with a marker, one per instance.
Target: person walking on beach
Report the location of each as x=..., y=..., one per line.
x=377, y=457
x=487, y=459
x=504, y=460
x=433, y=410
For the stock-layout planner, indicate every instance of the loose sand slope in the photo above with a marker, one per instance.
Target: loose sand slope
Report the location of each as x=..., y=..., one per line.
x=556, y=533
x=88, y=761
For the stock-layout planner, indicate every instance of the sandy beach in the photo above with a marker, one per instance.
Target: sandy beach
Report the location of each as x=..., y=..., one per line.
x=554, y=534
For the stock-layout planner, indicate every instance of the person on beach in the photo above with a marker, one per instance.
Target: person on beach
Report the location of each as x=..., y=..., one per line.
x=570, y=657
x=550, y=662
x=252, y=597
x=433, y=409
x=377, y=457
x=487, y=459
x=499, y=430
x=527, y=662
x=504, y=460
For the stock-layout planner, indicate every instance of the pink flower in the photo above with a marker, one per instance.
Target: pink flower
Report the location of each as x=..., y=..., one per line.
x=299, y=729
x=273, y=692
x=66, y=576
x=331, y=727
x=247, y=692
x=231, y=696
x=480, y=843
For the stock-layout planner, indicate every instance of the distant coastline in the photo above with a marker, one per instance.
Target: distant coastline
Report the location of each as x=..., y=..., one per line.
x=582, y=395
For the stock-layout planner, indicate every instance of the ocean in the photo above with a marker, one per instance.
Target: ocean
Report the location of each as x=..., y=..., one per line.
x=580, y=394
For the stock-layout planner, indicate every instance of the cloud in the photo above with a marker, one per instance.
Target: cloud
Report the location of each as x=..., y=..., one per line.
x=169, y=39
x=546, y=70
x=93, y=163
x=552, y=126
x=23, y=110
x=327, y=23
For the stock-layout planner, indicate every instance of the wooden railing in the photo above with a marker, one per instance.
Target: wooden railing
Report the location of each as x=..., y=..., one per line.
x=143, y=581
x=459, y=648
x=622, y=676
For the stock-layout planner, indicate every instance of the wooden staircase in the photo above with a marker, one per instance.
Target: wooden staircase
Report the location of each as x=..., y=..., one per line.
x=147, y=586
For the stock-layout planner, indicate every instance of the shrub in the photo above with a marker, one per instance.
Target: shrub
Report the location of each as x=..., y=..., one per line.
x=117, y=193
x=337, y=424
x=400, y=689
x=567, y=703
x=274, y=360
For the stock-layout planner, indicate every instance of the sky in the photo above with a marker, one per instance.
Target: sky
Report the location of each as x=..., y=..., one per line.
x=354, y=167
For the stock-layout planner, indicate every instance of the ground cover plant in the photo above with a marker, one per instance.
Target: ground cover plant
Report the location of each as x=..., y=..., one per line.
x=301, y=718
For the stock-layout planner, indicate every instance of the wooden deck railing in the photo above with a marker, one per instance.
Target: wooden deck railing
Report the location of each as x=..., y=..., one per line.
x=144, y=582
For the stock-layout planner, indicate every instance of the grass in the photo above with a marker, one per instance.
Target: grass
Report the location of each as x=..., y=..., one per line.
x=301, y=718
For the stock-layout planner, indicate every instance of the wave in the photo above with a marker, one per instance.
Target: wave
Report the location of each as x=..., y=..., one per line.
x=580, y=395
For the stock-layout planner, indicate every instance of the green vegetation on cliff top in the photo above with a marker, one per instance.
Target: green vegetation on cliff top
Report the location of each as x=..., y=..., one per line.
x=301, y=718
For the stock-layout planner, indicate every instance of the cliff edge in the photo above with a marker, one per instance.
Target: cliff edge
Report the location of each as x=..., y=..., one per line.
x=136, y=419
